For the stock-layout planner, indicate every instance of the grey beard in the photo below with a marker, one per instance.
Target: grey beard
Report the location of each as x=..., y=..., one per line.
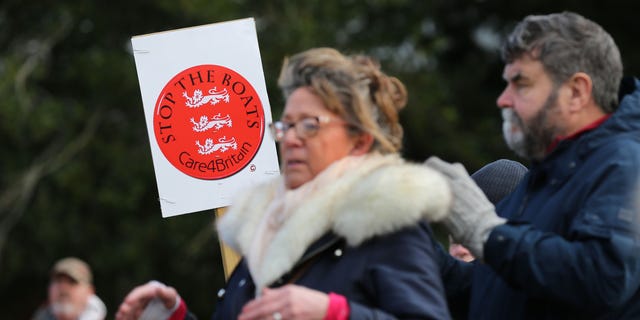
x=64, y=308
x=533, y=140
x=512, y=133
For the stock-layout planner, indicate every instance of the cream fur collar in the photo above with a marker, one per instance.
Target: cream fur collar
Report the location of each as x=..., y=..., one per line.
x=360, y=205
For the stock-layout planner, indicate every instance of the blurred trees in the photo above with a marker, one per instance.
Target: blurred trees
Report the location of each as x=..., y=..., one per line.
x=76, y=176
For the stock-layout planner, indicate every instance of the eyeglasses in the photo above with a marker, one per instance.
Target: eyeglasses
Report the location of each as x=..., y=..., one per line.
x=305, y=127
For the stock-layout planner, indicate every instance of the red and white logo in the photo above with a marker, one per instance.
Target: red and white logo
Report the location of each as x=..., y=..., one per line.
x=209, y=122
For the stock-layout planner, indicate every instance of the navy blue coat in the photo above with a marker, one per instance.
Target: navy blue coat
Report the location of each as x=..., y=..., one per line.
x=387, y=277
x=361, y=235
x=571, y=247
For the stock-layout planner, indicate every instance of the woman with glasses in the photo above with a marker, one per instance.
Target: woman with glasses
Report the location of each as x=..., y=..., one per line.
x=343, y=232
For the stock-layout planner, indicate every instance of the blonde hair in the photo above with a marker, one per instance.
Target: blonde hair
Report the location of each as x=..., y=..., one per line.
x=354, y=88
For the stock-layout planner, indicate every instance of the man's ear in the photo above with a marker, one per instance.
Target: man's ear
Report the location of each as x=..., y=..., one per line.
x=581, y=87
x=362, y=145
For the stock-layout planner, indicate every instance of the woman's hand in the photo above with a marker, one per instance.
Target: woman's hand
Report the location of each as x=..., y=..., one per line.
x=137, y=300
x=287, y=302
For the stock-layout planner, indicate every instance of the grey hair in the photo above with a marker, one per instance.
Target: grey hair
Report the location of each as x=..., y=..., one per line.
x=566, y=43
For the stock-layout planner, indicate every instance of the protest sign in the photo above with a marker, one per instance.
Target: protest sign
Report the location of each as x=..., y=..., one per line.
x=206, y=109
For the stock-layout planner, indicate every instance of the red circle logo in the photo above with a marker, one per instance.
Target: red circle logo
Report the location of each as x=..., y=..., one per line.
x=209, y=122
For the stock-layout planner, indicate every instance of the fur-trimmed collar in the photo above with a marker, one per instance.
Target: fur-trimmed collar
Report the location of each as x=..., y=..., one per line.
x=360, y=205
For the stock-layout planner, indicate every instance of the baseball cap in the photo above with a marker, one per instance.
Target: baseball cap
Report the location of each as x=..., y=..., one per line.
x=73, y=267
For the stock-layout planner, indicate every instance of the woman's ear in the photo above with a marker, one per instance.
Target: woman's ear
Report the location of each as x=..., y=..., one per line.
x=362, y=145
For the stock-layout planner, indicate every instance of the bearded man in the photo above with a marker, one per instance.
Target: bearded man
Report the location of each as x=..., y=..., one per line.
x=71, y=294
x=565, y=244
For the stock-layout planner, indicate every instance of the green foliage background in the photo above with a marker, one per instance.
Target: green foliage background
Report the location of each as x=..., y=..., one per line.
x=76, y=176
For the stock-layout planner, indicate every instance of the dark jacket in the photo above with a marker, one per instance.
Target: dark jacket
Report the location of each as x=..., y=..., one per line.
x=362, y=237
x=571, y=247
x=389, y=277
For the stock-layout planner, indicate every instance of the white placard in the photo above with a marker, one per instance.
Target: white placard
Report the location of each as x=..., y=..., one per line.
x=207, y=111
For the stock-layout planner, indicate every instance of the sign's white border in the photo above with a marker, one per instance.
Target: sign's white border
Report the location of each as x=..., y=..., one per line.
x=159, y=57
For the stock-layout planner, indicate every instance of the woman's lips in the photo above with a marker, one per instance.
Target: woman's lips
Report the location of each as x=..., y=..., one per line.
x=294, y=163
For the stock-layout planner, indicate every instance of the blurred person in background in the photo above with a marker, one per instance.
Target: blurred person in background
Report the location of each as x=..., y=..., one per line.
x=71, y=294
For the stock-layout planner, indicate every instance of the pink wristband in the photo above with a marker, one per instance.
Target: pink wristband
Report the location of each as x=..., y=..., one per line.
x=338, y=307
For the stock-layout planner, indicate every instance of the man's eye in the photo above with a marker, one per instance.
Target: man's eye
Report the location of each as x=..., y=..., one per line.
x=520, y=86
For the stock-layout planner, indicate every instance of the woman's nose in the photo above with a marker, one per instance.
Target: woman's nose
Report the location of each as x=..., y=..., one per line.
x=290, y=137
